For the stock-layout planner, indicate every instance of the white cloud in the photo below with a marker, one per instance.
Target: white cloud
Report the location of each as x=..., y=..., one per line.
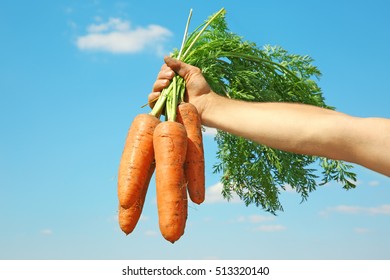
x=113, y=24
x=373, y=183
x=288, y=188
x=68, y=10
x=270, y=228
x=118, y=36
x=144, y=218
x=260, y=219
x=346, y=209
x=46, y=231
x=380, y=210
x=209, y=131
x=255, y=218
x=361, y=230
x=151, y=233
x=214, y=195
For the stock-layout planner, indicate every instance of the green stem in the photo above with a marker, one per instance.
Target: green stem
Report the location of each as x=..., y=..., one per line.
x=174, y=93
x=172, y=101
x=202, y=30
x=160, y=104
x=185, y=35
x=170, y=95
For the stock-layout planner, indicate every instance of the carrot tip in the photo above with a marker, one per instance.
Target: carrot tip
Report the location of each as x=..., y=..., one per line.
x=172, y=241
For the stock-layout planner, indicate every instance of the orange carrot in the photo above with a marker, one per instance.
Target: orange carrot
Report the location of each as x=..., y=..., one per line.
x=137, y=156
x=128, y=218
x=194, y=166
x=170, y=146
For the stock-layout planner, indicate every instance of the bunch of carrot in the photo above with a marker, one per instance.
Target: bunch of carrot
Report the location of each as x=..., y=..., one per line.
x=174, y=150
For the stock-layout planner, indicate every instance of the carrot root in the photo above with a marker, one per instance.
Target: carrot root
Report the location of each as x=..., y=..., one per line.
x=137, y=157
x=170, y=145
x=128, y=218
x=194, y=167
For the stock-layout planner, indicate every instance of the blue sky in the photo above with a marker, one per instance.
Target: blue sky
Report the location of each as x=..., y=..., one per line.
x=73, y=74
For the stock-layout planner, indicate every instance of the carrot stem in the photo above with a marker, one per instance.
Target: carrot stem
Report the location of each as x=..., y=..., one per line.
x=160, y=103
x=185, y=35
x=175, y=97
x=171, y=96
x=202, y=30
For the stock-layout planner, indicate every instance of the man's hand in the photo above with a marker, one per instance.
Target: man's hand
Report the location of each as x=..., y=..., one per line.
x=197, y=89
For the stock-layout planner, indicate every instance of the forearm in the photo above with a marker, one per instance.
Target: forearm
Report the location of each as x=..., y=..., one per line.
x=303, y=129
x=290, y=127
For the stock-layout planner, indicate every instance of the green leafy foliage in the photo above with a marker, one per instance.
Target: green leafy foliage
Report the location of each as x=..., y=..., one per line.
x=239, y=69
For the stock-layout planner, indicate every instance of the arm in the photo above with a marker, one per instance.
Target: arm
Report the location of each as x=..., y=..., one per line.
x=304, y=129
x=296, y=128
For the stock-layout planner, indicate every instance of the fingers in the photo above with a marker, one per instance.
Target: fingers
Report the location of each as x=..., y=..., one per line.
x=152, y=98
x=176, y=65
x=183, y=69
x=164, y=78
x=165, y=72
x=160, y=84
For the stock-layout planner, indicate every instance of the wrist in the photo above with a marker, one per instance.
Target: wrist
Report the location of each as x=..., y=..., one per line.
x=207, y=108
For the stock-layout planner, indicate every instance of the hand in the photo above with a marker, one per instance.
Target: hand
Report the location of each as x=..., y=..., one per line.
x=197, y=89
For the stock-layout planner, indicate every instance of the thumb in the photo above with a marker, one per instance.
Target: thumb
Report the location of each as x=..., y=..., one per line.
x=178, y=66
